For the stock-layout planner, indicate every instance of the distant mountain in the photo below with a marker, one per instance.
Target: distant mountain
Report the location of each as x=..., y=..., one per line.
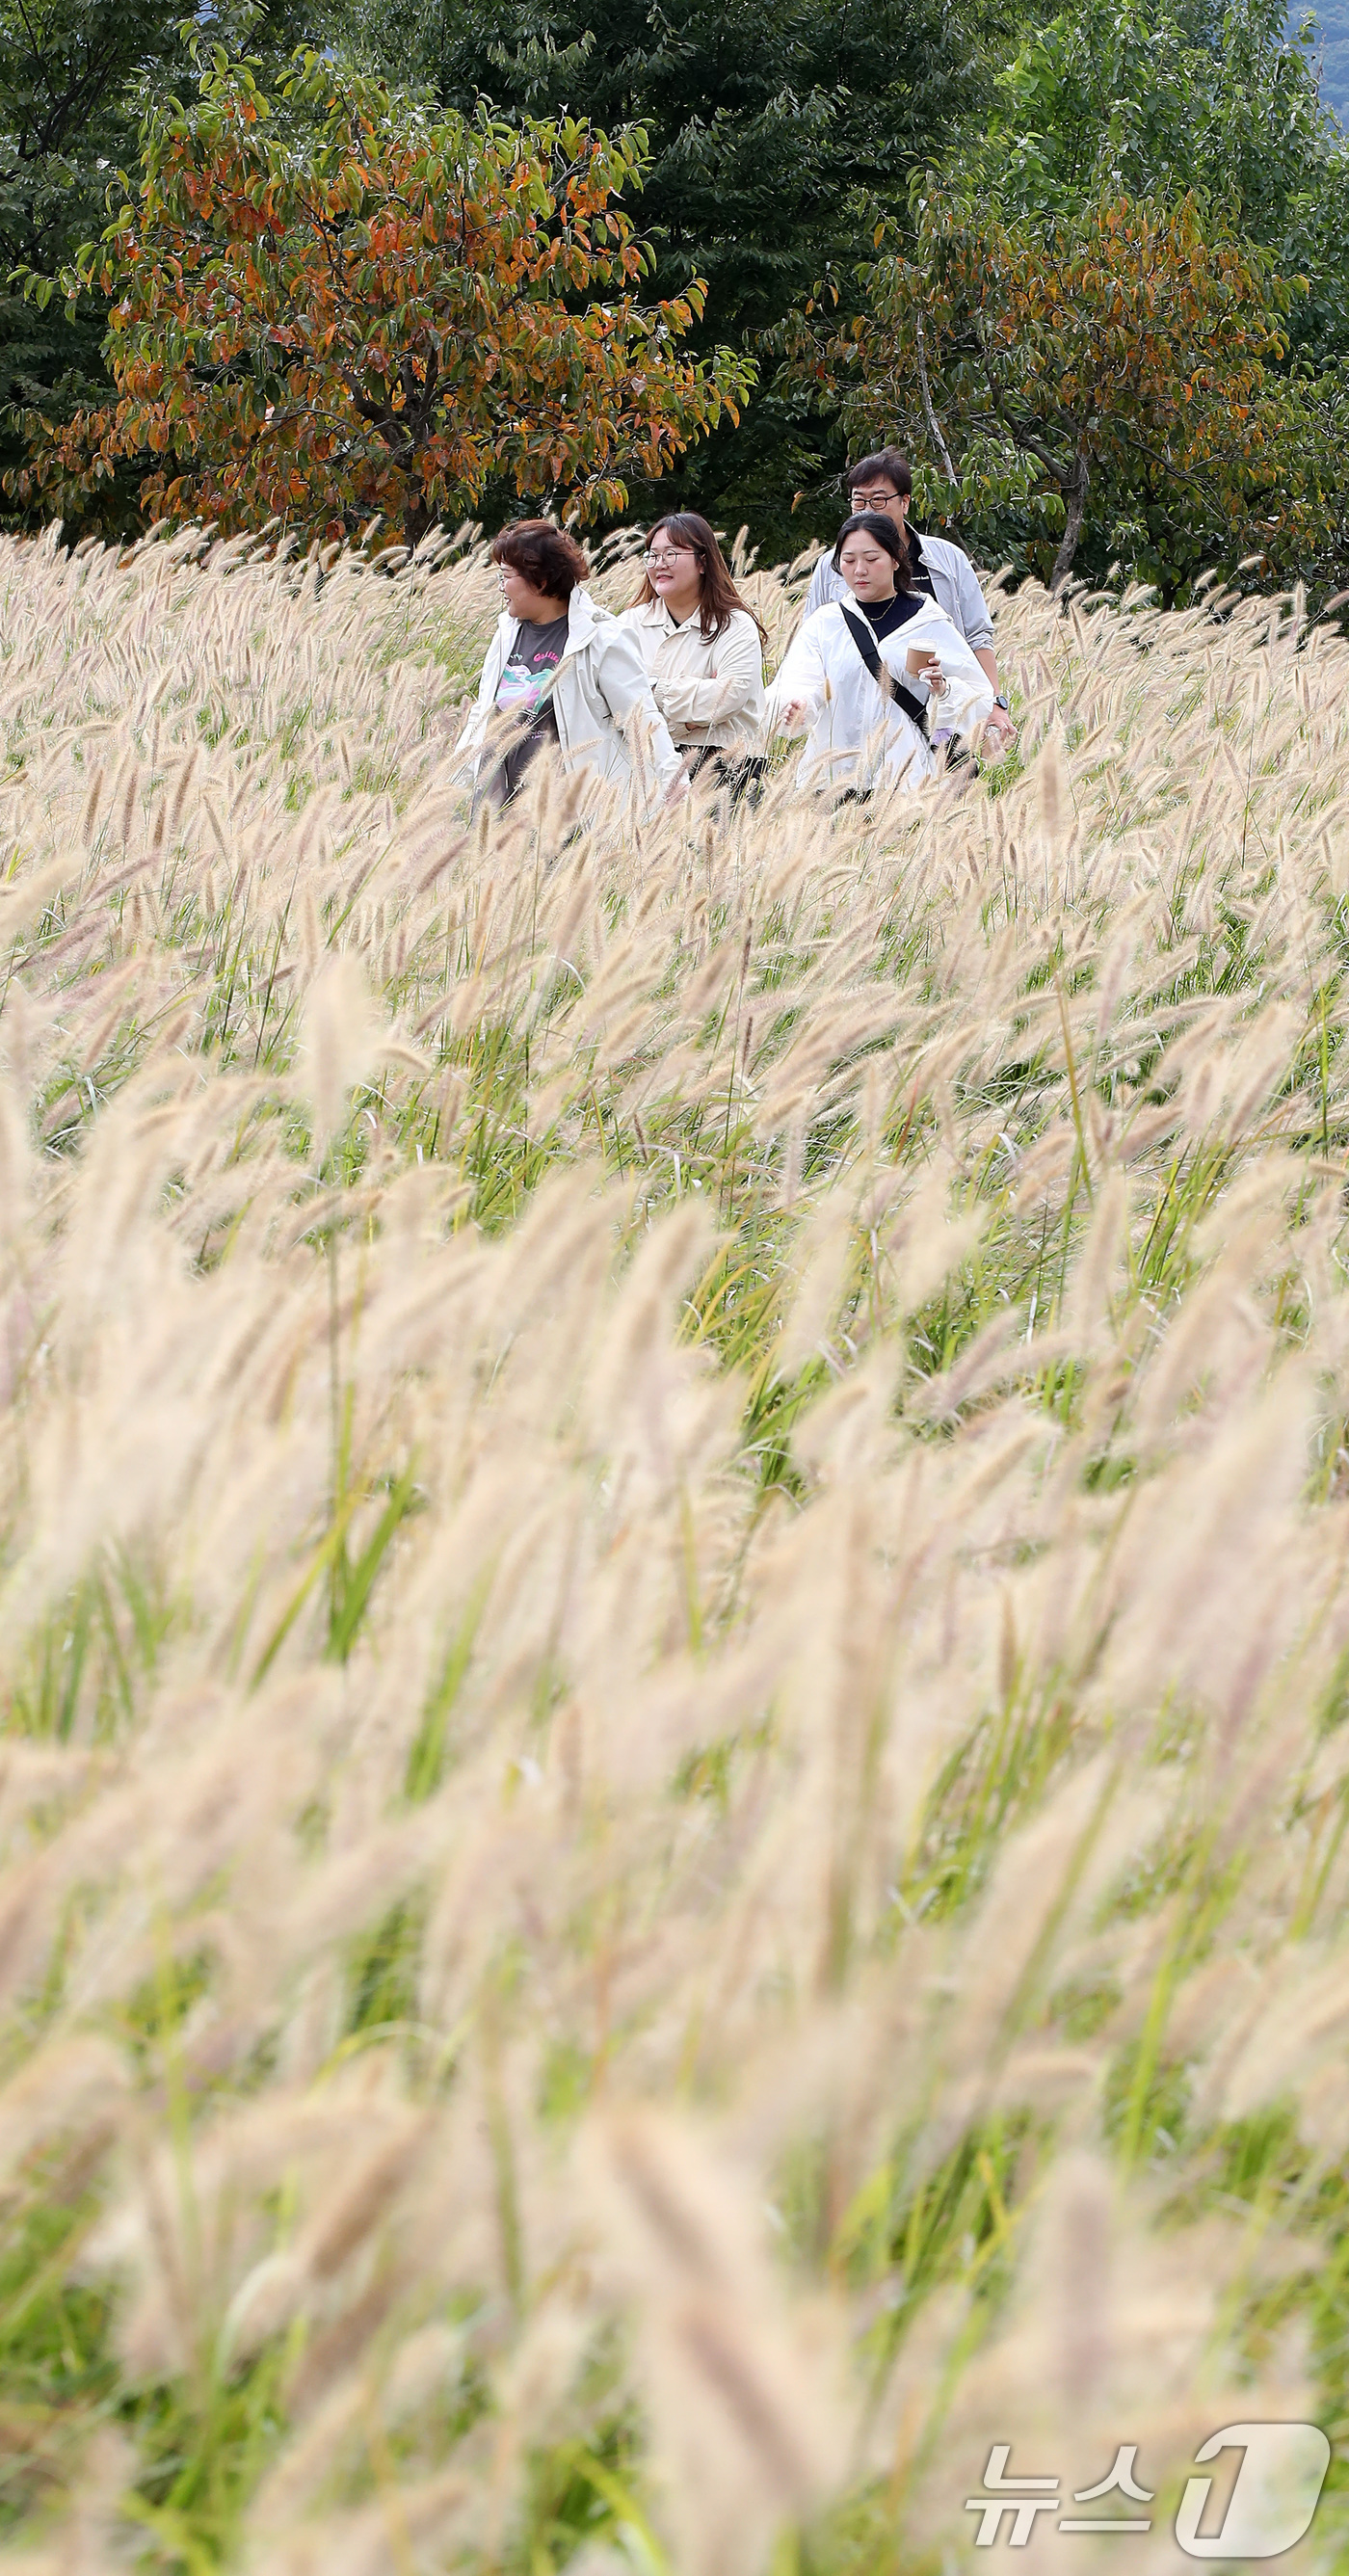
x=1333, y=23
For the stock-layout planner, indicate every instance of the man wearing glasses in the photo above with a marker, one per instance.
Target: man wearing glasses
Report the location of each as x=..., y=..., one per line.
x=884, y=483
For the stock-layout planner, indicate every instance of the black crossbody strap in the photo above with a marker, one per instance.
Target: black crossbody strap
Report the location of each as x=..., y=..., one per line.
x=883, y=676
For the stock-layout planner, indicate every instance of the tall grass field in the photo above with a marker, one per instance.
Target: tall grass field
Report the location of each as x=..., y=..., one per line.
x=675, y=1631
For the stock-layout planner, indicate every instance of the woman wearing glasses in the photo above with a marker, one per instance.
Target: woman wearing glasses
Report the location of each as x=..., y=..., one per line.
x=703, y=649
x=848, y=677
x=564, y=675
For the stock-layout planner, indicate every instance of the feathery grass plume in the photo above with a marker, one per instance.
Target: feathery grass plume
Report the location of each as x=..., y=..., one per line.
x=609, y=1444
x=338, y=1043
x=1101, y=2295
x=80, y=2083
x=413, y=2522
x=751, y=2426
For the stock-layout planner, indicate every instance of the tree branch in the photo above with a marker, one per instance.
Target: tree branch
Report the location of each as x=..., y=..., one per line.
x=1077, y=503
x=934, y=425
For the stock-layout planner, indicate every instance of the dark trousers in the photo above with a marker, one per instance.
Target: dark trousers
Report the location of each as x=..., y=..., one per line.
x=741, y=775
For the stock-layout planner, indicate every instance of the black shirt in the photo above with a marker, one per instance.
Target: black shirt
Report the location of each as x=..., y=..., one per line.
x=919, y=575
x=884, y=615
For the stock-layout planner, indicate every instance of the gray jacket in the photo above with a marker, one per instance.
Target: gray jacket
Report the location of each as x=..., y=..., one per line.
x=953, y=579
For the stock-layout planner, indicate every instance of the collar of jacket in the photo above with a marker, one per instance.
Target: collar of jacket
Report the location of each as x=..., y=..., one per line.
x=655, y=612
x=584, y=620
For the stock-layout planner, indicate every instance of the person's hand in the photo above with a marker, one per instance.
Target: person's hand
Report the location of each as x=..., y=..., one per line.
x=922, y=665
x=999, y=729
x=792, y=715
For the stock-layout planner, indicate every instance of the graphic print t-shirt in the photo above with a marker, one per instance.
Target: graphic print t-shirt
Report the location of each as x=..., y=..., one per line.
x=534, y=657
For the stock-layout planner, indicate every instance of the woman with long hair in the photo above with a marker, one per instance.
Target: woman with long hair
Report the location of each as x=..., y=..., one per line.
x=848, y=678
x=564, y=675
x=703, y=648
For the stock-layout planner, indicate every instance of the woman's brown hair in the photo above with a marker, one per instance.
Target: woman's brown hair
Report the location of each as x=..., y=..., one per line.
x=718, y=598
x=546, y=555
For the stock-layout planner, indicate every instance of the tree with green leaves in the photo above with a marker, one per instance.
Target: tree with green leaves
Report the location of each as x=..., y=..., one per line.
x=1331, y=25
x=1162, y=99
x=1188, y=114
x=777, y=145
x=1056, y=363
x=775, y=135
x=65, y=68
x=74, y=75
x=327, y=305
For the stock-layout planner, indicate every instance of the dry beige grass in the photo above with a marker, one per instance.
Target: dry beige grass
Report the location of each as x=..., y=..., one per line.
x=675, y=1632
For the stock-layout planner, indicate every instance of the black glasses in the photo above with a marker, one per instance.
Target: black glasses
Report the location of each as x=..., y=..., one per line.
x=873, y=500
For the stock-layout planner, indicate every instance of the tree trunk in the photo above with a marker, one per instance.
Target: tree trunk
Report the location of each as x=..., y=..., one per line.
x=1072, y=526
x=416, y=521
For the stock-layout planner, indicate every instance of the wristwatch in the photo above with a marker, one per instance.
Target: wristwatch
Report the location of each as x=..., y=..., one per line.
x=1001, y=701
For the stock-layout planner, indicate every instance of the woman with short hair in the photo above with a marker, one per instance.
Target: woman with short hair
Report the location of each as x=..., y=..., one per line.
x=845, y=678
x=563, y=674
x=703, y=649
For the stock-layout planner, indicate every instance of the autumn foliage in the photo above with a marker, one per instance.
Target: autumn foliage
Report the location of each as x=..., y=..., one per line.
x=324, y=308
x=1037, y=358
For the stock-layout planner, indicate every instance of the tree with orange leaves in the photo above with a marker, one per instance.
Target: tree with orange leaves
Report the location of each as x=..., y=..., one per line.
x=1112, y=352
x=325, y=307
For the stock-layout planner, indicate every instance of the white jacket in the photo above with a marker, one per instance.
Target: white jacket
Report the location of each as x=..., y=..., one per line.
x=708, y=688
x=608, y=723
x=954, y=580
x=856, y=736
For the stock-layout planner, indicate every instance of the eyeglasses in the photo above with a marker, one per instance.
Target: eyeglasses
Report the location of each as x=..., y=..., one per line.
x=873, y=500
x=666, y=563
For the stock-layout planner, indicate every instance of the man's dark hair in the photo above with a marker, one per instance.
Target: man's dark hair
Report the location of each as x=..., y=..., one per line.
x=546, y=555
x=875, y=524
x=888, y=465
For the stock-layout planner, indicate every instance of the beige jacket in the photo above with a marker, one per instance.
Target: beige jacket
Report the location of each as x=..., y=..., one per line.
x=608, y=726
x=710, y=691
